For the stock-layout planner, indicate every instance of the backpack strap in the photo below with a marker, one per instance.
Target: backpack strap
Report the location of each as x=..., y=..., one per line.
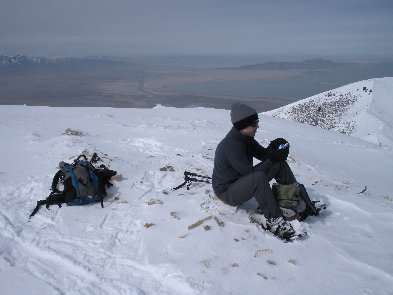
x=77, y=159
x=306, y=199
x=103, y=174
x=39, y=204
x=59, y=175
x=53, y=198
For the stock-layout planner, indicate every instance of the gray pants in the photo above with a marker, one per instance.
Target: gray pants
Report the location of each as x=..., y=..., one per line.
x=256, y=184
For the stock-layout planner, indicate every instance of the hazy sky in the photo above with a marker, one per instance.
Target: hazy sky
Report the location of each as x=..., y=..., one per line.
x=328, y=28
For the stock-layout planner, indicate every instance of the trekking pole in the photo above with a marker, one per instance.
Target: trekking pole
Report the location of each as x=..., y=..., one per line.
x=188, y=180
x=184, y=183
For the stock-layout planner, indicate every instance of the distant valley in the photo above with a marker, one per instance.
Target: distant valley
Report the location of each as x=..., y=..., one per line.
x=193, y=82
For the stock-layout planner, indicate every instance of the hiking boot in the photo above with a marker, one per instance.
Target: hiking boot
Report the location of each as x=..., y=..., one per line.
x=279, y=227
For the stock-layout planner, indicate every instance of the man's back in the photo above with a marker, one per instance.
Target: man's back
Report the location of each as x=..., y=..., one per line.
x=233, y=158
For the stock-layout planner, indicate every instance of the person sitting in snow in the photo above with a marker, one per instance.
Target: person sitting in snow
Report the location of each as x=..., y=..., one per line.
x=235, y=180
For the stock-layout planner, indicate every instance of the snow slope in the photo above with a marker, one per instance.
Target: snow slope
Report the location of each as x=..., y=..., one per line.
x=114, y=250
x=363, y=109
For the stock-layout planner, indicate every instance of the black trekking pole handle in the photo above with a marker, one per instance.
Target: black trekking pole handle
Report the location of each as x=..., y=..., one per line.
x=196, y=175
x=95, y=158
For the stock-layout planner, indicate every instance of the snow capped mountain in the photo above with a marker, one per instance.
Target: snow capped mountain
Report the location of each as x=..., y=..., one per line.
x=363, y=109
x=149, y=239
x=21, y=60
x=24, y=60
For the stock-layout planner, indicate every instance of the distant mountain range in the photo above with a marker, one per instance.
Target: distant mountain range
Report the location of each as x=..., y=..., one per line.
x=24, y=60
x=311, y=64
x=21, y=60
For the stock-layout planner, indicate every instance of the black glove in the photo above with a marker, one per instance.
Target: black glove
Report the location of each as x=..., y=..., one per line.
x=277, y=154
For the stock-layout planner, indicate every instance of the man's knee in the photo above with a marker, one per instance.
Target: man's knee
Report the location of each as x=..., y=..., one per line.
x=282, y=173
x=280, y=165
x=259, y=177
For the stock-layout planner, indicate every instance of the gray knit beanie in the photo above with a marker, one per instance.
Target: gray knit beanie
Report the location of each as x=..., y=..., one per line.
x=242, y=115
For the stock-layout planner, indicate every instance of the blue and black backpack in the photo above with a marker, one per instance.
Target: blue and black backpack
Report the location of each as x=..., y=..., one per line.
x=82, y=182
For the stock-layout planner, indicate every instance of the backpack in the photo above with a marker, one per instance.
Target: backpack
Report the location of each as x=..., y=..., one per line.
x=83, y=183
x=294, y=201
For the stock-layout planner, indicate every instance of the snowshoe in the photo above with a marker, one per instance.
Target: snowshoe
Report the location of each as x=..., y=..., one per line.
x=277, y=226
x=320, y=207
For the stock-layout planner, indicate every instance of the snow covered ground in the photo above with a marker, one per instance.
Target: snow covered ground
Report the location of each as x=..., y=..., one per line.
x=131, y=247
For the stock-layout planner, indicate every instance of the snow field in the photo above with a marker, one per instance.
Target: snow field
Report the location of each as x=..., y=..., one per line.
x=140, y=243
